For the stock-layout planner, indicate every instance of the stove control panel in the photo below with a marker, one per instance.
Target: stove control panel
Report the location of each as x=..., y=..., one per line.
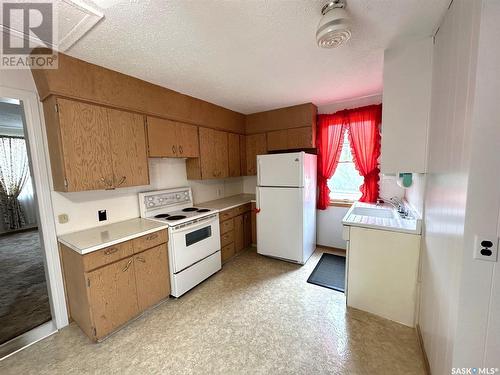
x=158, y=200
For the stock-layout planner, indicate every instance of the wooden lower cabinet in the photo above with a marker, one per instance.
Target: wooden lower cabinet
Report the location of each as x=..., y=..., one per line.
x=153, y=283
x=254, y=224
x=112, y=293
x=107, y=288
x=236, y=231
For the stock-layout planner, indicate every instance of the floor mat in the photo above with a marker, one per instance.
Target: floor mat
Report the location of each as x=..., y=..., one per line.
x=329, y=272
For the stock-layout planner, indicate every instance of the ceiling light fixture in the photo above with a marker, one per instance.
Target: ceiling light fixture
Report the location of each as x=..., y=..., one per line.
x=333, y=28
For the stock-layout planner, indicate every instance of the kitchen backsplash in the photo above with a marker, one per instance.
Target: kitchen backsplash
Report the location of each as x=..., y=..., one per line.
x=122, y=204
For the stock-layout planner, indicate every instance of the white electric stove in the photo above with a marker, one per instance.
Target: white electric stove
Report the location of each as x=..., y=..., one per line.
x=193, y=236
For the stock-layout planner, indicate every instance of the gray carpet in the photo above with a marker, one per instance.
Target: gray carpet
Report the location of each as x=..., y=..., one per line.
x=329, y=272
x=24, y=302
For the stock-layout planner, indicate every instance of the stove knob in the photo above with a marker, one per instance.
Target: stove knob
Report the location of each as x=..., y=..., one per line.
x=150, y=199
x=151, y=204
x=177, y=196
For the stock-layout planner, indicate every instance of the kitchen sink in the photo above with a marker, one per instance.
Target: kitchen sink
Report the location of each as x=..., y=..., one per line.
x=382, y=213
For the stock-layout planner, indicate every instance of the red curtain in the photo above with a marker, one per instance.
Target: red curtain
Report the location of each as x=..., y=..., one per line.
x=364, y=137
x=330, y=134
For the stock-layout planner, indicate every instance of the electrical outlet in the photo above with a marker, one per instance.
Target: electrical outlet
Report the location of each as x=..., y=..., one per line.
x=63, y=218
x=102, y=215
x=486, y=248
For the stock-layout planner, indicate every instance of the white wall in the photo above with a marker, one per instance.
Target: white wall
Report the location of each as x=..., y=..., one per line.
x=446, y=186
x=122, y=204
x=477, y=341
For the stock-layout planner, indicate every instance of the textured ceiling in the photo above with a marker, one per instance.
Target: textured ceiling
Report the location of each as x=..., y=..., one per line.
x=252, y=55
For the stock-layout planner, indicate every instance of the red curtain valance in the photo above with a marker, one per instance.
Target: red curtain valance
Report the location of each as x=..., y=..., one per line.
x=364, y=137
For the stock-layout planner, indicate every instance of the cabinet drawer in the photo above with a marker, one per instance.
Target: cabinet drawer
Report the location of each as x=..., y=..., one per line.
x=243, y=208
x=226, y=226
x=107, y=255
x=227, y=214
x=149, y=240
x=226, y=238
x=227, y=252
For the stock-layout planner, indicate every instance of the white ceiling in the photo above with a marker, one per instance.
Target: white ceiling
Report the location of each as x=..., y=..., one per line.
x=252, y=55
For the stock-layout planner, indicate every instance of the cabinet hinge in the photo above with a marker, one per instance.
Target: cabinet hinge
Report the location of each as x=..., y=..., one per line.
x=88, y=285
x=95, y=331
x=56, y=107
x=65, y=183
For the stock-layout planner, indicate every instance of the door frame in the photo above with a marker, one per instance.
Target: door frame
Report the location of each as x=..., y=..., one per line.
x=42, y=182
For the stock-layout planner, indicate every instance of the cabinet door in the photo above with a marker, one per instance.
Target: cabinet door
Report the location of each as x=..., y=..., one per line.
x=221, y=155
x=162, y=138
x=300, y=138
x=238, y=234
x=85, y=145
x=113, y=296
x=128, y=149
x=187, y=139
x=256, y=145
x=233, y=145
x=247, y=229
x=151, y=272
x=207, y=153
x=243, y=155
x=277, y=140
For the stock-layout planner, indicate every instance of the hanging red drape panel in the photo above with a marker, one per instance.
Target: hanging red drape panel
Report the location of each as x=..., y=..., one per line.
x=330, y=134
x=364, y=137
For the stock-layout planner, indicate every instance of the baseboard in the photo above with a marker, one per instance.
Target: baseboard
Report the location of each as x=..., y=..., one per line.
x=330, y=248
x=422, y=348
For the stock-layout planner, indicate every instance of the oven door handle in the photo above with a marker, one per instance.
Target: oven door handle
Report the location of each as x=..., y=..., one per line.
x=201, y=224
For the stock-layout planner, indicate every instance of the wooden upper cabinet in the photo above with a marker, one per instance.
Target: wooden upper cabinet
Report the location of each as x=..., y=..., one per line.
x=84, y=146
x=213, y=161
x=128, y=149
x=289, y=139
x=93, y=147
x=277, y=140
x=172, y=139
x=234, y=155
x=256, y=144
x=243, y=154
x=221, y=154
x=188, y=141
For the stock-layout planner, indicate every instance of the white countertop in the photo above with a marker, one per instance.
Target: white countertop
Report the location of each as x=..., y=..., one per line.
x=97, y=238
x=228, y=202
x=396, y=224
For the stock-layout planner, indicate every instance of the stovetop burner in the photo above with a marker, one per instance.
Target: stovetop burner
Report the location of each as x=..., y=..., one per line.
x=190, y=209
x=176, y=217
x=203, y=210
x=161, y=216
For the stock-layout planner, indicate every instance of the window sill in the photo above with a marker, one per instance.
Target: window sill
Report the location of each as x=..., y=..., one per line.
x=339, y=203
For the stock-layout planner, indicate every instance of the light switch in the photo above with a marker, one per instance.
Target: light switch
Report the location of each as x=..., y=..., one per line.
x=63, y=218
x=486, y=248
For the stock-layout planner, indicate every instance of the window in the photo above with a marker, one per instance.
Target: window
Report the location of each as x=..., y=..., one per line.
x=345, y=183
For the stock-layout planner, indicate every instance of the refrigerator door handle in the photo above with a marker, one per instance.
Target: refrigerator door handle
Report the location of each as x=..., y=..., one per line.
x=258, y=172
x=257, y=201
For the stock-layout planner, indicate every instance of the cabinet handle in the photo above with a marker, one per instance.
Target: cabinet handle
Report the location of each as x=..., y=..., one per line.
x=127, y=266
x=122, y=180
x=141, y=259
x=151, y=237
x=174, y=150
x=107, y=182
x=110, y=251
x=180, y=149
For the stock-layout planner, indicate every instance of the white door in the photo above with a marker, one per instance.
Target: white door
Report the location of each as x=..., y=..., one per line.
x=280, y=223
x=280, y=170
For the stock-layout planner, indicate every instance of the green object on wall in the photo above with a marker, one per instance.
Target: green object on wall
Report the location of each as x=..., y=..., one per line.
x=406, y=179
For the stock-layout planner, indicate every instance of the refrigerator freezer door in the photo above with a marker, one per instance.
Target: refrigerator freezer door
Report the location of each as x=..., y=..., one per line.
x=280, y=223
x=284, y=170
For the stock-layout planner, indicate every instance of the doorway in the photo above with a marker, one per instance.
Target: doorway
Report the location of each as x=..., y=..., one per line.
x=30, y=283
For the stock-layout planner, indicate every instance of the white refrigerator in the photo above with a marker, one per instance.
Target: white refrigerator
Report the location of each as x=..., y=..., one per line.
x=286, y=206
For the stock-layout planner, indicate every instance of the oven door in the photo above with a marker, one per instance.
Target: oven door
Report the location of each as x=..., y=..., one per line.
x=194, y=242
